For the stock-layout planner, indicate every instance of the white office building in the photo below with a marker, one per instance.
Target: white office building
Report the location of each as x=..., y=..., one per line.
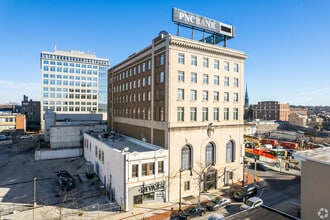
x=73, y=82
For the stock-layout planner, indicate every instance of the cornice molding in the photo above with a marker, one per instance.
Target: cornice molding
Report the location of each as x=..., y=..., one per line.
x=203, y=47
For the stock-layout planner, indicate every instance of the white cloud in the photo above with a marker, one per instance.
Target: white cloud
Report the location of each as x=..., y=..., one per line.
x=13, y=91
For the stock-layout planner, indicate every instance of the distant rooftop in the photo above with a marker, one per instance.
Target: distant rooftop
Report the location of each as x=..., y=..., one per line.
x=321, y=155
x=125, y=143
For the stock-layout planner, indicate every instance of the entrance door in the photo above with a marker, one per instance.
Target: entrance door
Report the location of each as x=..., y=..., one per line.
x=210, y=179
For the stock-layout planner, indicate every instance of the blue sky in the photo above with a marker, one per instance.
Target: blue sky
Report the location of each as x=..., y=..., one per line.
x=287, y=41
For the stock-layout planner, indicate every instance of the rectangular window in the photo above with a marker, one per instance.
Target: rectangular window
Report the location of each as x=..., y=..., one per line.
x=180, y=114
x=135, y=170
x=235, y=67
x=206, y=62
x=216, y=80
x=193, y=94
x=216, y=114
x=226, y=81
x=205, y=95
x=216, y=64
x=226, y=96
x=180, y=76
x=186, y=186
x=235, y=114
x=226, y=114
x=193, y=60
x=160, y=167
x=205, y=79
x=205, y=115
x=235, y=82
x=181, y=58
x=180, y=94
x=193, y=114
x=149, y=65
x=193, y=77
x=226, y=66
x=215, y=96
x=161, y=77
x=162, y=59
x=235, y=97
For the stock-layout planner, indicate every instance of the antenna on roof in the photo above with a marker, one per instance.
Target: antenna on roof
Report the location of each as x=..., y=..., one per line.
x=55, y=47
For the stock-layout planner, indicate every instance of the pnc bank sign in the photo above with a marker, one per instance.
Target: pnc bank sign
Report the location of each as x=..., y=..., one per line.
x=202, y=23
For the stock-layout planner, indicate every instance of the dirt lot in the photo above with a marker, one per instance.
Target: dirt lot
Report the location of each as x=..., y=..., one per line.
x=17, y=170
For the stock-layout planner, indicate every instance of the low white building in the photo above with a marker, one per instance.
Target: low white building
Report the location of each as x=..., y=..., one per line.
x=132, y=171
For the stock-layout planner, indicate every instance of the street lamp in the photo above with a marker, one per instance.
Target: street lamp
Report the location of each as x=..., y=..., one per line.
x=180, y=171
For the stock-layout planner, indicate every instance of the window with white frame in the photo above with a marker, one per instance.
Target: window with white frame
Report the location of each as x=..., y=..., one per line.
x=193, y=94
x=181, y=58
x=205, y=79
x=235, y=82
x=216, y=80
x=226, y=114
x=193, y=60
x=235, y=114
x=193, y=77
x=216, y=114
x=160, y=168
x=226, y=66
x=235, y=97
x=180, y=114
x=180, y=94
x=205, y=95
x=236, y=67
x=205, y=114
x=180, y=76
x=193, y=114
x=226, y=81
x=135, y=170
x=215, y=96
x=226, y=96
x=205, y=62
x=216, y=64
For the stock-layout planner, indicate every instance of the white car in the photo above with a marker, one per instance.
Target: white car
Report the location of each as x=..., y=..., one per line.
x=26, y=137
x=251, y=203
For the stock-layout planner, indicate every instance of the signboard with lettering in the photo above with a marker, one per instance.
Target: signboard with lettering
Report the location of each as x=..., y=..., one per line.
x=202, y=23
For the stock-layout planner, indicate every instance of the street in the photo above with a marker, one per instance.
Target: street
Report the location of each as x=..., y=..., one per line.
x=282, y=193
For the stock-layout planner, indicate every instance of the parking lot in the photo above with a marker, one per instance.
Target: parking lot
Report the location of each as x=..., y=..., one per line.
x=18, y=188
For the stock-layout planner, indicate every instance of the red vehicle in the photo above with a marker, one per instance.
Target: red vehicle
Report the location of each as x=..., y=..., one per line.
x=273, y=142
x=289, y=145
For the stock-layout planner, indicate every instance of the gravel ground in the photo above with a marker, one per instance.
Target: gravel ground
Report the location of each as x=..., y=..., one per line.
x=17, y=170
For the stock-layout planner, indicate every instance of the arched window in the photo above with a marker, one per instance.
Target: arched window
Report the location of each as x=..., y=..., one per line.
x=209, y=154
x=230, y=152
x=186, y=158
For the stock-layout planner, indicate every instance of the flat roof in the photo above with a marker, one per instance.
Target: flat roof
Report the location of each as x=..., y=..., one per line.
x=120, y=142
x=321, y=155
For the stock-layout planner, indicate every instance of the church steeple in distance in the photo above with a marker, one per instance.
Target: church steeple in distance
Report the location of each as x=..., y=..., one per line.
x=246, y=100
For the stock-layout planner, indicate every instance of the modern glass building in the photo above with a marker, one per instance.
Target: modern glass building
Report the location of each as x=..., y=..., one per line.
x=74, y=82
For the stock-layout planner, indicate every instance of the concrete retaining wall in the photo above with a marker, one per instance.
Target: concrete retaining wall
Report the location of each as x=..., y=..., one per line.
x=46, y=154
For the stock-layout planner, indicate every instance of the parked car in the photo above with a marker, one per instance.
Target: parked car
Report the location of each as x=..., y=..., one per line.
x=251, y=203
x=196, y=211
x=3, y=137
x=245, y=193
x=188, y=213
x=26, y=137
x=216, y=217
x=217, y=203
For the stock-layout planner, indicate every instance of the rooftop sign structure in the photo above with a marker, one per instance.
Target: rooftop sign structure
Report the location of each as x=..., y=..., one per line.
x=219, y=30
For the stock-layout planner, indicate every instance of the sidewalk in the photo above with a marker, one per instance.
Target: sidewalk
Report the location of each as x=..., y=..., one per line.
x=161, y=211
